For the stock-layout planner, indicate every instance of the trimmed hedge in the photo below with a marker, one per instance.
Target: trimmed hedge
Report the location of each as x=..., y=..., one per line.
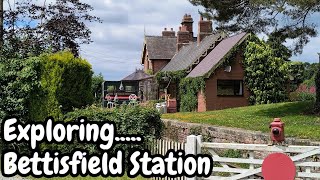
x=129, y=120
x=65, y=84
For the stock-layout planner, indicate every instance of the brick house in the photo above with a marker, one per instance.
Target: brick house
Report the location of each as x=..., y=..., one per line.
x=224, y=85
x=158, y=51
x=199, y=56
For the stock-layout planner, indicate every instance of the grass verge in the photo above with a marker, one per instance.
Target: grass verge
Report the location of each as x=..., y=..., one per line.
x=298, y=123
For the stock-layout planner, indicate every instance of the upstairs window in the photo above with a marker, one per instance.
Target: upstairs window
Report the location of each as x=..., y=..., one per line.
x=230, y=88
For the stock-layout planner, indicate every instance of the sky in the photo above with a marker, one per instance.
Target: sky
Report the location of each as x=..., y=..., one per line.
x=118, y=41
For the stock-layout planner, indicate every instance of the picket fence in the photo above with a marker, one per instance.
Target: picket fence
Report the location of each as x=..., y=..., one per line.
x=161, y=146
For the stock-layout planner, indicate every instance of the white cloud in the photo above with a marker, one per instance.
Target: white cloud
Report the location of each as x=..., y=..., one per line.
x=117, y=46
x=118, y=41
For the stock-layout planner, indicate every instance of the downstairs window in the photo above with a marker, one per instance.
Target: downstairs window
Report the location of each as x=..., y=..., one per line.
x=229, y=87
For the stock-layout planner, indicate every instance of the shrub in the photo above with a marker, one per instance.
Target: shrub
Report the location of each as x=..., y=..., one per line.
x=128, y=120
x=19, y=78
x=265, y=73
x=317, y=82
x=65, y=84
x=303, y=93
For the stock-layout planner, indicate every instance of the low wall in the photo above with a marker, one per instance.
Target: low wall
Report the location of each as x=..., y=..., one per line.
x=176, y=130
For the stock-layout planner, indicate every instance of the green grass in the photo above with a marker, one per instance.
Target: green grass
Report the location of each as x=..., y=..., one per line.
x=298, y=123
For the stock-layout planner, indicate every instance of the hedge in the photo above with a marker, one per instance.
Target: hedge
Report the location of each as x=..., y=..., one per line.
x=65, y=84
x=129, y=120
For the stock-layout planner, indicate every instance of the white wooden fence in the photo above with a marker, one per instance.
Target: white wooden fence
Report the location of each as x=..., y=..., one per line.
x=304, y=157
x=161, y=146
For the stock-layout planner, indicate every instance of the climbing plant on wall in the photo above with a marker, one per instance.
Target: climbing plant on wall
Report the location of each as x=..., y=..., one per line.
x=189, y=88
x=265, y=74
x=175, y=77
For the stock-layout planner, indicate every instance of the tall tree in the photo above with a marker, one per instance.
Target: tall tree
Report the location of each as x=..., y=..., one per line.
x=284, y=19
x=32, y=27
x=96, y=87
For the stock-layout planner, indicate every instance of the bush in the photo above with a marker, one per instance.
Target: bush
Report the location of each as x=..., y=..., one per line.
x=302, y=96
x=65, y=84
x=128, y=120
x=303, y=93
x=317, y=82
x=265, y=73
x=19, y=78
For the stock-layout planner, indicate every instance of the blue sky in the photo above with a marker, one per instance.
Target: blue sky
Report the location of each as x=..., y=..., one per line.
x=117, y=47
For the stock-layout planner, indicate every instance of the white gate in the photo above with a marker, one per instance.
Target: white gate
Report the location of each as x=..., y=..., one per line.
x=306, y=159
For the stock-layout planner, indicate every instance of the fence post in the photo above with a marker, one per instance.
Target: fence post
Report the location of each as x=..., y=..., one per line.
x=199, y=141
x=191, y=148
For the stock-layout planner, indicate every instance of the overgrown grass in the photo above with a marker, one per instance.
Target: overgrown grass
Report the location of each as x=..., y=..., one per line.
x=298, y=122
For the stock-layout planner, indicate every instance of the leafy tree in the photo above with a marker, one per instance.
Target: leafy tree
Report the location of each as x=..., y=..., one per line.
x=265, y=73
x=296, y=70
x=18, y=80
x=31, y=27
x=96, y=87
x=310, y=70
x=284, y=19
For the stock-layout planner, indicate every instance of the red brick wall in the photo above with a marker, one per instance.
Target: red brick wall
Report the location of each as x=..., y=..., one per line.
x=158, y=64
x=145, y=62
x=202, y=106
x=213, y=101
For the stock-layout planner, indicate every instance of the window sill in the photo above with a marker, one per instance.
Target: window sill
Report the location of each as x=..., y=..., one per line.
x=230, y=95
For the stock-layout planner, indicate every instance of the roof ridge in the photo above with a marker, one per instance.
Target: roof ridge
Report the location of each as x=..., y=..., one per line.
x=160, y=36
x=217, y=56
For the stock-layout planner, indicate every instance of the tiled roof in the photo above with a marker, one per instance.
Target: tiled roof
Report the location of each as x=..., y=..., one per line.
x=216, y=55
x=160, y=47
x=190, y=53
x=137, y=76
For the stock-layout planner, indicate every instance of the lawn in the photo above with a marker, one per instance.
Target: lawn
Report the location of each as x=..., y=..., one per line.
x=298, y=122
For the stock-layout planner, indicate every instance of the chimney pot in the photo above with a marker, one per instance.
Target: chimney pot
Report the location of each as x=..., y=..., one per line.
x=204, y=29
x=166, y=33
x=185, y=33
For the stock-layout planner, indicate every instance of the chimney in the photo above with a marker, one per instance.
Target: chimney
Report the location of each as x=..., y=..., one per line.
x=167, y=33
x=185, y=33
x=187, y=22
x=204, y=29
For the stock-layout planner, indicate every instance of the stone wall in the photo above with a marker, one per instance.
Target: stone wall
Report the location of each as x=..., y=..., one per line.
x=176, y=130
